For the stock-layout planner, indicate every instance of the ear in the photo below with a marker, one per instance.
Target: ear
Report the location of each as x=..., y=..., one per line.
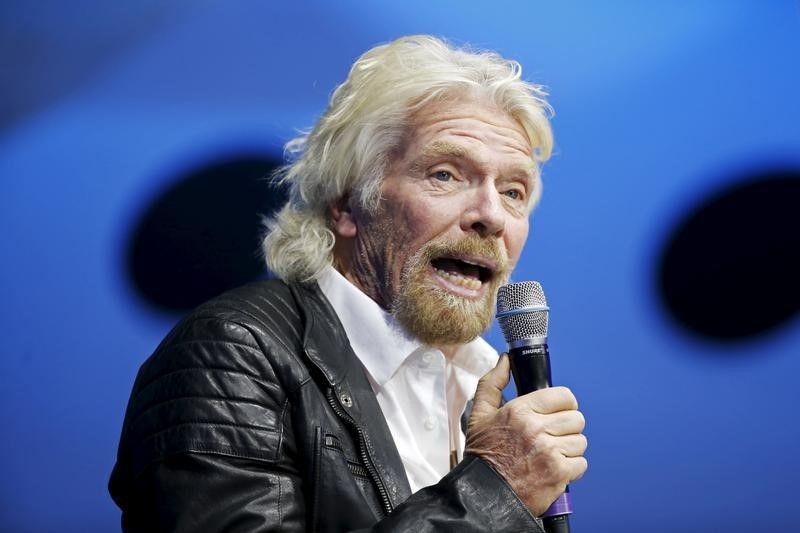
x=342, y=219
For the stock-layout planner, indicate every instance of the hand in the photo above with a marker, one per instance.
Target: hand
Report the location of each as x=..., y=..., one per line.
x=534, y=441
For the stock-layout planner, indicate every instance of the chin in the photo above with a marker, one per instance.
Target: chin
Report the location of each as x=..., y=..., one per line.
x=438, y=316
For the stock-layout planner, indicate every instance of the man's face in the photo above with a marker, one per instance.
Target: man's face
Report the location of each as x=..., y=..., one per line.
x=450, y=224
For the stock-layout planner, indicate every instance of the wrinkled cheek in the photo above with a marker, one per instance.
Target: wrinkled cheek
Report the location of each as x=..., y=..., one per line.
x=391, y=252
x=516, y=245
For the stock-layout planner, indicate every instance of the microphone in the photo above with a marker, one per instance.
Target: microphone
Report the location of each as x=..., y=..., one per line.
x=523, y=316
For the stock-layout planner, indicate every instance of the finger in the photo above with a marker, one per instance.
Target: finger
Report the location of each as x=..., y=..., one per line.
x=551, y=400
x=490, y=389
x=575, y=467
x=564, y=423
x=572, y=445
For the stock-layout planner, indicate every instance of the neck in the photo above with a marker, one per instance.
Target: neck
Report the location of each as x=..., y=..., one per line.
x=354, y=272
x=448, y=350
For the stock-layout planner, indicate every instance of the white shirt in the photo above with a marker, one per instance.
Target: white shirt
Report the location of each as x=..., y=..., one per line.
x=421, y=393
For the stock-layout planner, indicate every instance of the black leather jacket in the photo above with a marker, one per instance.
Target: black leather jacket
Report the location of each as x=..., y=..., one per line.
x=254, y=414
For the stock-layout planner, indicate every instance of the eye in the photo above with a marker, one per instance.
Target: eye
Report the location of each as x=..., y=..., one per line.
x=514, y=194
x=442, y=175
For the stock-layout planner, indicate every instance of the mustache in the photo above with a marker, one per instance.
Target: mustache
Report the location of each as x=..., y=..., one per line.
x=470, y=245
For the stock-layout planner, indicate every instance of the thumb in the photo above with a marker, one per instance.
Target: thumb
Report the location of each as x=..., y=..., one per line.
x=490, y=390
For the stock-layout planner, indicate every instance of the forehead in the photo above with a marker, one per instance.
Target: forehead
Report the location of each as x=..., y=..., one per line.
x=466, y=127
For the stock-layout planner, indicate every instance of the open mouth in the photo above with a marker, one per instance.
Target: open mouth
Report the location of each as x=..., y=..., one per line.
x=463, y=272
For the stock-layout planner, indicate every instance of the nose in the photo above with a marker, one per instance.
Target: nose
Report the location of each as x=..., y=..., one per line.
x=485, y=213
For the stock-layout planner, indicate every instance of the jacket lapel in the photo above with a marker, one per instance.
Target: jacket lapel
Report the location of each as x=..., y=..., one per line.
x=327, y=346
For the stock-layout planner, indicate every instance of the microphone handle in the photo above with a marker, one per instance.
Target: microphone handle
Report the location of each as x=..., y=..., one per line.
x=530, y=366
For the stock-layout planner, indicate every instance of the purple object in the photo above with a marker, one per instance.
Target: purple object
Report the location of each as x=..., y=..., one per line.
x=562, y=505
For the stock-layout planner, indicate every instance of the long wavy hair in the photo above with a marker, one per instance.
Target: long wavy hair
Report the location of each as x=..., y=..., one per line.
x=349, y=148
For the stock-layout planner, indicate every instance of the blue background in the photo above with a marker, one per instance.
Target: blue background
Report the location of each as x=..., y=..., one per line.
x=658, y=105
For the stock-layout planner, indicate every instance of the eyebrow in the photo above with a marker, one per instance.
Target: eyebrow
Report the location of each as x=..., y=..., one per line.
x=438, y=149
x=530, y=169
x=442, y=148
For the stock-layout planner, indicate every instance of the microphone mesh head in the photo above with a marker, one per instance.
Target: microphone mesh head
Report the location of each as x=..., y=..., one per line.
x=522, y=311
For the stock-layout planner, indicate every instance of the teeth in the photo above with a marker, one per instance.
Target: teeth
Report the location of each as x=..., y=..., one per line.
x=457, y=279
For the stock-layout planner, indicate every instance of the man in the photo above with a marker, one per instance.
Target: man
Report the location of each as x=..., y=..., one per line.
x=331, y=400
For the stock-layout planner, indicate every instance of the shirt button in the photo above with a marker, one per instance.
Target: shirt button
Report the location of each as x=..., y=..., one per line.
x=427, y=359
x=430, y=423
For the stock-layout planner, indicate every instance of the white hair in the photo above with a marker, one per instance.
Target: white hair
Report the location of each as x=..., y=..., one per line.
x=349, y=148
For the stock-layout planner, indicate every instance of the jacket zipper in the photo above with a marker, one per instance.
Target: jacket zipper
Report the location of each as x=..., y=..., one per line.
x=363, y=451
x=357, y=469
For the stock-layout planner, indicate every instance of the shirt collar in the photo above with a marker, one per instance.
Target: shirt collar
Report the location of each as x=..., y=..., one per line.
x=379, y=341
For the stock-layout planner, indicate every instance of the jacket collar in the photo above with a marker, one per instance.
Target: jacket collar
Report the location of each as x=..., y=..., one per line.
x=377, y=339
x=323, y=331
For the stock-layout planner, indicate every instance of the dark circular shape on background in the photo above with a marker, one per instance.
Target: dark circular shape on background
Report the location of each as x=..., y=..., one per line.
x=731, y=269
x=201, y=236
